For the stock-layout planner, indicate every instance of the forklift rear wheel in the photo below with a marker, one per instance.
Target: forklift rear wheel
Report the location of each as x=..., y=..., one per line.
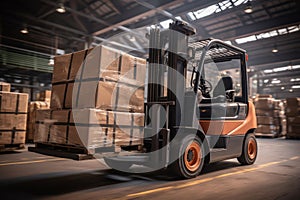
x=191, y=157
x=249, y=152
x=118, y=165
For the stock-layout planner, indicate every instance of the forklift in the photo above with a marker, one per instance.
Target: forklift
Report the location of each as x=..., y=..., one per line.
x=197, y=109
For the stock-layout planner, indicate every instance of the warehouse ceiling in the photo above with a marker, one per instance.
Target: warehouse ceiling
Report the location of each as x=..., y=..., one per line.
x=271, y=25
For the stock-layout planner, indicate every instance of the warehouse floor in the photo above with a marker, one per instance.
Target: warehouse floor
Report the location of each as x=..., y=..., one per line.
x=275, y=175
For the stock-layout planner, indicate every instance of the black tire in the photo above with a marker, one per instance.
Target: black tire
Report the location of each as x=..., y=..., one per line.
x=249, y=152
x=118, y=165
x=190, y=157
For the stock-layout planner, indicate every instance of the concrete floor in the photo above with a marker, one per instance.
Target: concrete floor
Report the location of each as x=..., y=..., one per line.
x=275, y=175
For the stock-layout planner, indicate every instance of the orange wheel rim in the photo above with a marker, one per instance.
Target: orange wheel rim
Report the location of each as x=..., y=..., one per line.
x=192, y=156
x=252, y=149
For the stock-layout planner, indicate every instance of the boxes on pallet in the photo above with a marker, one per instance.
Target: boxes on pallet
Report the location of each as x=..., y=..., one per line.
x=13, y=117
x=293, y=117
x=105, y=94
x=44, y=96
x=270, y=116
x=268, y=129
x=102, y=72
x=292, y=107
x=268, y=120
x=91, y=128
x=33, y=107
x=94, y=95
x=5, y=87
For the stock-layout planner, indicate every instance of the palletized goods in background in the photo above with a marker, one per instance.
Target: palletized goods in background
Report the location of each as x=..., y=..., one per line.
x=13, y=118
x=5, y=87
x=97, y=101
x=44, y=96
x=270, y=116
x=32, y=109
x=293, y=118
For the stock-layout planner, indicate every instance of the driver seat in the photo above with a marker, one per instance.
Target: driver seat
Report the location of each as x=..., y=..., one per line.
x=222, y=91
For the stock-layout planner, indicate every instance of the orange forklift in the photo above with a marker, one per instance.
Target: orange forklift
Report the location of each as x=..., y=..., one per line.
x=197, y=109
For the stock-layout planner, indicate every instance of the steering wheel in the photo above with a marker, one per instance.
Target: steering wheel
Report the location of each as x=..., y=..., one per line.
x=204, y=86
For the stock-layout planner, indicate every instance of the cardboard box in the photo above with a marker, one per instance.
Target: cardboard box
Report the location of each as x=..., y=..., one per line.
x=90, y=63
x=269, y=113
x=293, y=120
x=273, y=129
x=13, y=102
x=12, y=137
x=264, y=103
x=293, y=102
x=292, y=111
x=5, y=87
x=93, y=94
x=90, y=128
x=9, y=121
x=13, y=117
x=44, y=96
x=293, y=129
x=268, y=120
x=33, y=107
x=263, y=96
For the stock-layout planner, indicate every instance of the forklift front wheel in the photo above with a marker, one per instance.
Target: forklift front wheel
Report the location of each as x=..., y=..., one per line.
x=249, y=152
x=191, y=157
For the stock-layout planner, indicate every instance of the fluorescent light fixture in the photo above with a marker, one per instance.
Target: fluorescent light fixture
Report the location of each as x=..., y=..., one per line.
x=266, y=80
x=268, y=71
x=295, y=79
x=61, y=8
x=290, y=90
x=275, y=81
x=282, y=88
x=272, y=33
x=245, y=39
x=281, y=69
x=24, y=30
x=216, y=8
x=295, y=86
x=296, y=67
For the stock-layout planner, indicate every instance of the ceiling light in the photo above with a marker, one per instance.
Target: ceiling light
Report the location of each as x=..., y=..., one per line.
x=274, y=50
x=24, y=30
x=248, y=9
x=61, y=8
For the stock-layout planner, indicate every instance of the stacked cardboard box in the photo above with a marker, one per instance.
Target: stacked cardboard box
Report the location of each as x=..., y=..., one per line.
x=13, y=116
x=97, y=100
x=44, y=96
x=270, y=116
x=5, y=87
x=293, y=117
x=32, y=110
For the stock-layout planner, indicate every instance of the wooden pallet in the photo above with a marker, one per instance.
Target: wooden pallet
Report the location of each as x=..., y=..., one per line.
x=63, y=151
x=11, y=147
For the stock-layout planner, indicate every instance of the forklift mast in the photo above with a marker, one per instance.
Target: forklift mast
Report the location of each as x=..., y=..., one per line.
x=173, y=61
